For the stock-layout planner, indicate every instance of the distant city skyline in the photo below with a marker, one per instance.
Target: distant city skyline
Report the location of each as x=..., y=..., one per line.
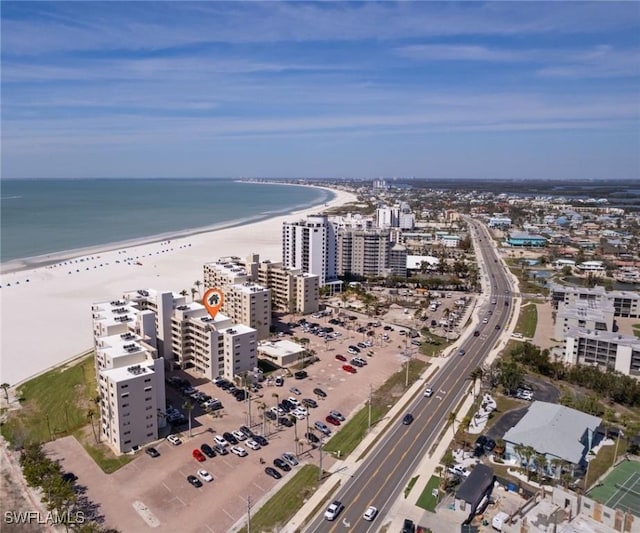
x=503, y=90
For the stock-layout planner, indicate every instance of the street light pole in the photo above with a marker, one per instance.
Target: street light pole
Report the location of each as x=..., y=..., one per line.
x=249, y=514
x=370, y=395
x=320, y=473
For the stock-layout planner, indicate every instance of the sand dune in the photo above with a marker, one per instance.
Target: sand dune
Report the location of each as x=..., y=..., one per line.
x=45, y=312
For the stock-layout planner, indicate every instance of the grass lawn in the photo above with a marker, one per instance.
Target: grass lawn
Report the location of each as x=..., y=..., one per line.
x=353, y=431
x=53, y=404
x=427, y=500
x=527, y=320
x=410, y=485
x=286, y=502
x=603, y=461
x=636, y=330
x=436, y=345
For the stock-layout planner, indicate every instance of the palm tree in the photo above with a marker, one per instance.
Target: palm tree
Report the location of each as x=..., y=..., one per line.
x=90, y=416
x=474, y=375
x=261, y=409
x=188, y=407
x=527, y=453
x=5, y=387
x=451, y=419
x=197, y=283
x=294, y=420
x=194, y=291
x=184, y=292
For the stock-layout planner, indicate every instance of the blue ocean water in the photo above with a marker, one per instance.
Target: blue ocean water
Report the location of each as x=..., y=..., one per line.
x=44, y=216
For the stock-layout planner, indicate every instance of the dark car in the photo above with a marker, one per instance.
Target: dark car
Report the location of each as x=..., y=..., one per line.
x=220, y=450
x=497, y=326
x=246, y=432
x=270, y=471
x=333, y=420
x=300, y=374
x=285, y=421
x=282, y=465
x=341, y=358
x=489, y=445
x=408, y=418
x=308, y=402
x=208, y=450
x=152, y=452
x=481, y=440
x=408, y=526
x=349, y=368
x=270, y=415
x=319, y=392
x=476, y=333
x=260, y=440
x=478, y=451
x=312, y=438
x=461, y=351
x=194, y=481
x=230, y=438
x=241, y=395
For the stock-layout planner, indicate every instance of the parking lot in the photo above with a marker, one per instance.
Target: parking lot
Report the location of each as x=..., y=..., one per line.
x=154, y=492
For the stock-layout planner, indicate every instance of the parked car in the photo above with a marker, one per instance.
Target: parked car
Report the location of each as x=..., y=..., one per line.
x=261, y=440
x=208, y=450
x=300, y=374
x=279, y=381
x=194, y=481
x=295, y=390
x=319, y=392
x=332, y=420
x=408, y=526
x=285, y=421
x=246, y=431
x=205, y=476
x=270, y=471
x=220, y=440
x=271, y=415
x=198, y=455
x=239, y=435
x=220, y=450
x=341, y=358
x=338, y=415
x=281, y=464
x=252, y=444
x=322, y=428
x=458, y=470
x=152, y=452
x=349, y=368
x=239, y=451
x=228, y=436
x=174, y=439
x=290, y=458
x=333, y=510
x=308, y=402
x=312, y=438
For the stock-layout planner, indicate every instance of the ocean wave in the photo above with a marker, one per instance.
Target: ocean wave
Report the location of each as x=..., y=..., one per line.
x=10, y=197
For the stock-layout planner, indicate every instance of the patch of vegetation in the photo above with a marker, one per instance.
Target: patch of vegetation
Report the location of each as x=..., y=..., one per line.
x=410, y=485
x=433, y=344
x=104, y=457
x=427, y=500
x=603, y=461
x=527, y=320
x=286, y=502
x=54, y=404
x=352, y=433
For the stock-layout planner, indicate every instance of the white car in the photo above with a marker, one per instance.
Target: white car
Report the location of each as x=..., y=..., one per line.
x=220, y=440
x=428, y=392
x=239, y=435
x=290, y=458
x=298, y=414
x=458, y=470
x=301, y=410
x=205, y=476
x=239, y=451
x=292, y=400
x=485, y=321
x=333, y=510
x=252, y=444
x=370, y=513
x=174, y=439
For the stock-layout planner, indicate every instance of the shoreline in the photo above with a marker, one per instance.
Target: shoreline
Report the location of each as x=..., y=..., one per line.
x=46, y=318
x=44, y=260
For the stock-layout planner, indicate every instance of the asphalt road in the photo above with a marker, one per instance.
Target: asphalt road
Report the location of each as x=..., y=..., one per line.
x=386, y=470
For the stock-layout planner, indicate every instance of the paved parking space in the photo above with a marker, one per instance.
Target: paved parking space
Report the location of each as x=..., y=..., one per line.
x=159, y=485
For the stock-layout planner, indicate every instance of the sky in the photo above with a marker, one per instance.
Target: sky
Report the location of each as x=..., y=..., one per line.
x=498, y=90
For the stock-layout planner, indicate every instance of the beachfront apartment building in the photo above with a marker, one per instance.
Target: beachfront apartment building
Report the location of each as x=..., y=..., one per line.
x=291, y=290
x=587, y=314
x=626, y=304
x=603, y=349
x=129, y=375
x=397, y=216
x=245, y=301
x=310, y=246
x=369, y=253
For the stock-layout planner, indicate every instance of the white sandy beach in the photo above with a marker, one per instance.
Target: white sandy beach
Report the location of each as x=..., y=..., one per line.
x=47, y=320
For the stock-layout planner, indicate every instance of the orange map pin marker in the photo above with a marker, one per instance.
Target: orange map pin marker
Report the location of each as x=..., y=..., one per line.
x=213, y=300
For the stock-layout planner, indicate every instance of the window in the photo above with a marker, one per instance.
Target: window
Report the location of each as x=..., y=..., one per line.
x=149, y=434
x=124, y=387
x=147, y=389
x=124, y=395
x=147, y=399
x=127, y=432
x=147, y=380
x=126, y=441
x=148, y=407
x=125, y=405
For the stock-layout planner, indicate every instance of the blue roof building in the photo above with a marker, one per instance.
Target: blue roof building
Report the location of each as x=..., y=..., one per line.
x=527, y=240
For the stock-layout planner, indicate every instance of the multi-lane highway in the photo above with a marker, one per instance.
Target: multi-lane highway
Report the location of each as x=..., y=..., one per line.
x=388, y=467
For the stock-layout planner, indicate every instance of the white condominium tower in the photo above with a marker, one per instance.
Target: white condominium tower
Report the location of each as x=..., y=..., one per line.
x=310, y=245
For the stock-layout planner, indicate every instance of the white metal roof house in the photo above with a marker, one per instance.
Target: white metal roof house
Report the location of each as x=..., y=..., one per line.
x=554, y=430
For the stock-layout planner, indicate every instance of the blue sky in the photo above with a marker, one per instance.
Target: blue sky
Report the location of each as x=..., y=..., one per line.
x=424, y=89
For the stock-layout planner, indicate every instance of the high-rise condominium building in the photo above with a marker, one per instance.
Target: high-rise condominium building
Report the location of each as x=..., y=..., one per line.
x=310, y=246
x=370, y=253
